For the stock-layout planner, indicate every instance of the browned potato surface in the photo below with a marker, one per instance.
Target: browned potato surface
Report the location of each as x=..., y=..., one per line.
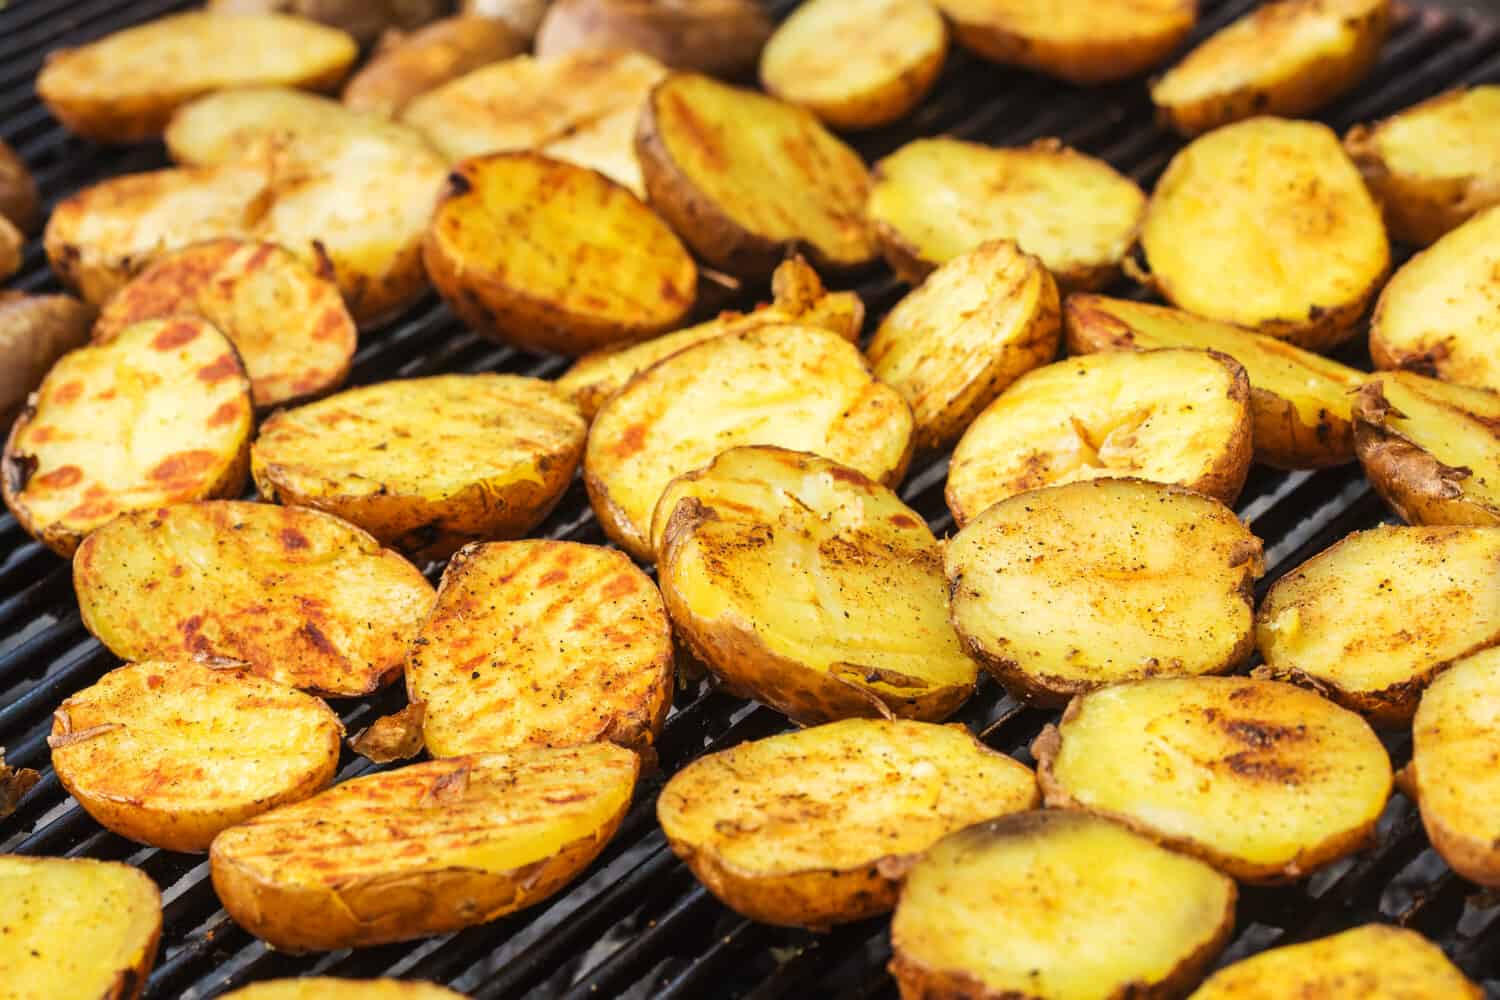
x=522, y=16
x=12, y=244
x=407, y=66
x=718, y=37
x=364, y=19
x=35, y=330
x=15, y=782
x=19, y=201
x=320, y=988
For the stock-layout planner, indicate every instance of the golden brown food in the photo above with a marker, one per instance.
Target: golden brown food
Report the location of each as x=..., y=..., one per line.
x=522, y=16
x=719, y=37
x=19, y=200
x=35, y=330
x=407, y=66
x=12, y=245
x=15, y=782
x=364, y=19
x=320, y=988
x=393, y=737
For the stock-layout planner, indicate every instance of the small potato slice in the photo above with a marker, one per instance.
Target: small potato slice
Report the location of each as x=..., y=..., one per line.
x=406, y=67
x=76, y=927
x=425, y=849
x=295, y=595
x=35, y=330
x=542, y=643
x=1283, y=201
x=1288, y=58
x=934, y=199
x=169, y=754
x=856, y=622
x=159, y=415
x=1001, y=910
x=797, y=387
x=1169, y=415
x=19, y=199
x=1066, y=589
x=1371, y=620
x=322, y=988
x=817, y=827
x=718, y=37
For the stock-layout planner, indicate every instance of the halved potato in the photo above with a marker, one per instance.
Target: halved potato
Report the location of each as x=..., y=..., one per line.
x=426, y=465
x=856, y=622
x=818, y=827
x=718, y=37
x=407, y=66
x=605, y=144
x=20, y=201
x=1300, y=403
x=170, y=753
x=1003, y=910
x=321, y=988
x=294, y=595
x=161, y=414
x=1169, y=415
x=934, y=199
x=35, y=330
x=1288, y=58
x=425, y=849
x=1371, y=620
x=794, y=386
x=1066, y=589
x=1282, y=200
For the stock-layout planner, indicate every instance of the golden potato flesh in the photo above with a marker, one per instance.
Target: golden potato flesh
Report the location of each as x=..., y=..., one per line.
x=425, y=849
x=1282, y=201
x=160, y=415
x=855, y=623
x=412, y=65
x=295, y=595
x=169, y=754
x=321, y=988
x=426, y=465
x=1169, y=415
x=817, y=827
x=605, y=144
x=1370, y=621
x=1066, y=589
x=1059, y=905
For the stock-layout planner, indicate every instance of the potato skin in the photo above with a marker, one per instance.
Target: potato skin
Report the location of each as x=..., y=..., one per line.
x=414, y=64
x=718, y=37
x=12, y=241
x=19, y=200
x=364, y=19
x=35, y=330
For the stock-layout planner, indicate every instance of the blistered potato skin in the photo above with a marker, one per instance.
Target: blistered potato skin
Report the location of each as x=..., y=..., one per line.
x=411, y=65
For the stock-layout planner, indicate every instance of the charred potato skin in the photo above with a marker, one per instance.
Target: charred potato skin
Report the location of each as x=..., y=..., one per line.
x=19, y=199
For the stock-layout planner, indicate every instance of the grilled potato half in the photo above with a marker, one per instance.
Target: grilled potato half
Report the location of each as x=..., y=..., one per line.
x=1370, y=621
x=998, y=911
x=35, y=330
x=294, y=595
x=426, y=465
x=817, y=827
x=406, y=67
x=425, y=849
x=170, y=753
x=326, y=988
x=159, y=415
x=934, y=199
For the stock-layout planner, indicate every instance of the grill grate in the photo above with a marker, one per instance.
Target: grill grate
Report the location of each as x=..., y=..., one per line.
x=638, y=923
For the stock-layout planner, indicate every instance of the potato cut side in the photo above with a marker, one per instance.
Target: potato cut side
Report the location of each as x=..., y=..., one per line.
x=934, y=199
x=426, y=465
x=817, y=827
x=294, y=595
x=604, y=144
x=999, y=911
x=856, y=624
x=160, y=415
x=323, y=988
x=169, y=754
x=411, y=65
x=425, y=849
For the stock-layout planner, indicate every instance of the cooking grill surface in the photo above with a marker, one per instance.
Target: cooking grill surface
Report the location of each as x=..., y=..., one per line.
x=638, y=923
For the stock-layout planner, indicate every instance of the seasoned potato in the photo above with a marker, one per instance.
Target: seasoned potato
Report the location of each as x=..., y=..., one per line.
x=522, y=16
x=363, y=19
x=35, y=330
x=934, y=199
x=294, y=595
x=124, y=87
x=406, y=67
x=856, y=623
x=1300, y=402
x=1287, y=58
x=425, y=849
x=542, y=643
x=19, y=200
x=793, y=386
x=169, y=754
x=718, y=37
x=1002, y=910
x=1282, y=200
x=76, y=928
x=1371, y=620
x=320, y=988
x=1065, y=589
x=817, y=827
x=160, y=415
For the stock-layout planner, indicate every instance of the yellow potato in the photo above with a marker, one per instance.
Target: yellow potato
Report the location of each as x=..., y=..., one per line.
x=35, y=330
x=718, y=37
x=408, y=66
x=605, y=144
x=320, y=988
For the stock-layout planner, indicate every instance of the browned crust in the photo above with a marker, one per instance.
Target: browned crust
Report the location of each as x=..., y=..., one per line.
x=616, y=524
x=1088, y=61
x=1476, y=858
x=1390, y=707
x=1226, y=478
x=19, y=199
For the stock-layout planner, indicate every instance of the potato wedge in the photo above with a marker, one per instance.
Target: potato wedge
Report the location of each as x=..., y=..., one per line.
x=998, y=911
x=542, y=644
x=1066, y=589
x=794, y=386
x=1169, y=415
x=322, y=988
x=934, y=199
x=406, y=67
x=76, y=928
x=125, y=87
x=1287, y=58
x=169, y=754
x=35, y=330
x=718, y=37
x=1282, y=200
x=703, y=149
x=294, y=595
x=817, y=827
x=425, y=849
x=1300, y=402
x=19, y=199
x=364, y=19
x=160, y=415
x=1370, y=621
x=856, y=624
